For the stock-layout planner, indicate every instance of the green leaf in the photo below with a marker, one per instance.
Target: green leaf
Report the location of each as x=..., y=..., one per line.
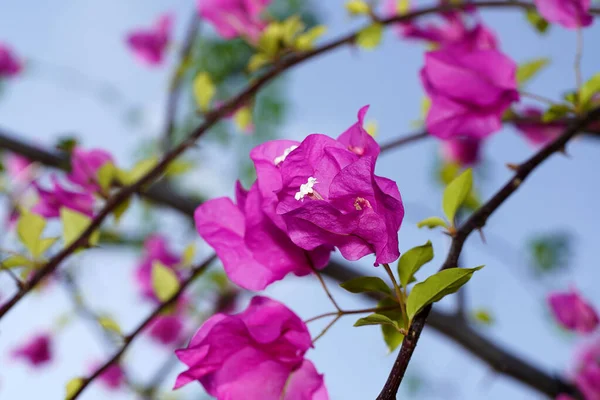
x=392, y=337
x=43, y=245
x=436, y=287
x=376, y=319
x=306, y=41
x=106, y=174
x=139, y=170
x=537, y=21
x=366, y=284
x=432, y=222
x=29, y=229
x=16, y=261
x=243, y=118
x=271, y=38
x=164, y=281
x=588, y=90
x=412, y=260
x=204, y=90
x=72, y=387
x=370, y=37
x=121, y=209
x=456, y=193
x=74, y=224
x=109, y=324
x=290, y=28
x=483, y=317
x=178, y=167
x=258, y=61
x=529, y=69
x=188, y=255
x=556, y=111
x=358, y=7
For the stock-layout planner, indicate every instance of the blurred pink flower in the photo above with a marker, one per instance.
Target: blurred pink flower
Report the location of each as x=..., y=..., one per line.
x=234, y=18
x=85, y=166
x=149, y=45
x=571, y=14
x=10, y=65
x=166, y=329
x=155, y=249
x=463, y=150
x=573, y=312
x=113, y=377
x=37, y=351
x=19, y=168
x=256, y=354
x=51, y=201
x=538, y=133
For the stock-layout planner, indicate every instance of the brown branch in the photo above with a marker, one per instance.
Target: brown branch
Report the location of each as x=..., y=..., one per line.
x=127, y=340
x=476, y=221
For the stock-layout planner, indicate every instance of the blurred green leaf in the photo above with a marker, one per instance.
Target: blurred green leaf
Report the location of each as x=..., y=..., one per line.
x=366, y=284
x=456, y=193
x=370, y=37
x=528, y=70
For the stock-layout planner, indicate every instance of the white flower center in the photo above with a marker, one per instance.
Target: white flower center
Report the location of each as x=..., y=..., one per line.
x=306, y=189
x=286, y=152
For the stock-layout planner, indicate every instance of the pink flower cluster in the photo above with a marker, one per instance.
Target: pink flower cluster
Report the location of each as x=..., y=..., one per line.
x=309, y=197
x=149, y=45
x=573, y=312
x=83, y=178
x=235, y=18
x=571, y=14
x=37, y=351
x=10, y=65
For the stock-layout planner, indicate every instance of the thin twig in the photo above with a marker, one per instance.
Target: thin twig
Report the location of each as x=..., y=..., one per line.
x=476, y=221
x=578, y=59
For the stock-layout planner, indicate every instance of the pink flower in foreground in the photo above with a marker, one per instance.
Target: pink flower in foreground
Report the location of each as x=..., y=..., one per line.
x=18, y=168
x=85, y=166
x=573, y=312
x=51, y=201
x=469, y=91
x=149, y=45
x=37, y=351
x=113, y=377
x=155, y=249
x=463, y=150
x=234, y=18
x=10, y=66
x=331, y=196
x=166, y=329
x=538, y=133
x=571, y=14
x=586, y=370
x=358, y=139
x=256, y=354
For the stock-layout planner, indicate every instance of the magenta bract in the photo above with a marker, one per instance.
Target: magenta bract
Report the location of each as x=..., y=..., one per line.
x=10, y=65
x=85, y=166
x=149, y=45
x=51, y=201
x=571, y=14
x=573, y=312
x=37, y=351
x=235, y=18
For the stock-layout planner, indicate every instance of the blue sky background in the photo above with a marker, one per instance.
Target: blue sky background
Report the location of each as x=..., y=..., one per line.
x=325, y=94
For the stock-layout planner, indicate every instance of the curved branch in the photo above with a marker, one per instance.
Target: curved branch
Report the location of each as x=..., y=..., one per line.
x=476, y=221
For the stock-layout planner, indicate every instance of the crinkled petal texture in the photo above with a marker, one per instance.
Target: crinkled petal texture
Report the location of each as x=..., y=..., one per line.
x=234, y=18
x=573, y=312
x=37, y=351
x=350, y=208
x=469, y=90
x=51, y=201
x=257, y=354
x=255, y=252
x=571, y=14
x=10, y=66
x=149, y=45
x=358, y=140
x=85, y=166
x=538, y=133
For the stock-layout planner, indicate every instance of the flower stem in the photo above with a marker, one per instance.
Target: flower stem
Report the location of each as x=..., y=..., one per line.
x=324, y=285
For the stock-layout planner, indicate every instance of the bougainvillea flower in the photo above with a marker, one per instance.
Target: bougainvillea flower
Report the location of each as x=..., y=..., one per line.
x=235, y=18
x=469, y=91
x=166, y=329
x=256, y=354
x=85, y=166
x=538, y=133
x=358, y=140
x=155, y=249
x=112, y=378
x=255, y=252
x=19, y=168
x=331, y=196
x=573, y=312
x=571, y=14
x=463, y=150
x=586, y=370
x=149, y=45
x=10, y=65
x=37, y=351
x=51, y=201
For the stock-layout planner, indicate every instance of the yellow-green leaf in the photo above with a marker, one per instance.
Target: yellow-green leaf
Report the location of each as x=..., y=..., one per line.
x=291, y=27
x=188, y=254
x=258, y=61
x=391, y=335
x=243, y=118
x=357, y=7
x=588, y=90
x=270, y=41
x=179, y=167
x=537, y=21
x=164, y=281
x=432, y=222
x=16, y=261
x=72, y=387
x=121, y=209
x=371, y=128
x=412, y=260
x=204, y=90
x=370, y=37
x=528, y=70
x=456, y=193
x=109, y=324
x=306, y=41
x=29, y=229
x=43, y=245
x=366, y=284
x=74, y=224
x=106, y=174
x=437, y=287
x=140, y=169
x=483, y=317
